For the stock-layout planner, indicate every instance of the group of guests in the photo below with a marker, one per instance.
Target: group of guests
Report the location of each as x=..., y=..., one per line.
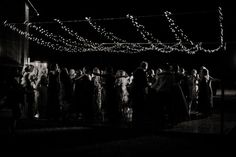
x=88, y=94
x=170, y=95
x=167, y=95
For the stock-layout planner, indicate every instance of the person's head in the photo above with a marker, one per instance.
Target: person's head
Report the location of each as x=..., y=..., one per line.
x=205, y=74
x=78, y=72
x=194, y=72
x=151, y=72
x=44, y=71
x=201, y=68
x=96, y=70
x=182, y=70
x=144, y=65
x=87, y=70
x=121, y=73
x=27, y=69
x=158, y=71
x=54, y=67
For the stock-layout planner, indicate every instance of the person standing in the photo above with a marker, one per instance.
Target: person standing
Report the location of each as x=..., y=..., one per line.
x=14, y=97
x=54, y=87
x=138, y=93
x=193, y=90
x=205, y=95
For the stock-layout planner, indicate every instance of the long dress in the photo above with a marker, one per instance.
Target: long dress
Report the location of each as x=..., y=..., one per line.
x=205, y=96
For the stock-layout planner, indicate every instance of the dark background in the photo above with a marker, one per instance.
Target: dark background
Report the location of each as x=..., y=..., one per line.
x=198, y=19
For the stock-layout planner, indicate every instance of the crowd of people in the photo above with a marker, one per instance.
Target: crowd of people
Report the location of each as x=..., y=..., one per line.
x=167, y=94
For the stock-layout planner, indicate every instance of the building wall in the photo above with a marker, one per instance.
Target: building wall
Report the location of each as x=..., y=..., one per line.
x=12, y=44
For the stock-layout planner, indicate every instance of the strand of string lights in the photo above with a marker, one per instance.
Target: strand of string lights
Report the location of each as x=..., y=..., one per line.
x=222, y=44
x=58, y=47
x=40, y=41
x=178, y=31
x=85, y=41
x=155, y=44
x=72, y=45
x=103, y=32
x=179, y=35
x=174, y=28
x=118, y=42
x=34, y=39
x=108, y=35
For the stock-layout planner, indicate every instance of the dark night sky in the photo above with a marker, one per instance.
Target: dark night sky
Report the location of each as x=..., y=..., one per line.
x=198, y=19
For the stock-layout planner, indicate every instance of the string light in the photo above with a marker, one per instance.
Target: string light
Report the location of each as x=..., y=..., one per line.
x=85, y=41
x=118, y=42
x=195, y=47
x=221, y=34
x=35, y=39
x=118, y=45
x=103, y=32
x=155, y=44
x=72, y=45
x=161, y=47
x=175, y=29
x=180, y=36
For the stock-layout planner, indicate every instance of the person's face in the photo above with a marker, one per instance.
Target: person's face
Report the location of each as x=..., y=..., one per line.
x=145, y=68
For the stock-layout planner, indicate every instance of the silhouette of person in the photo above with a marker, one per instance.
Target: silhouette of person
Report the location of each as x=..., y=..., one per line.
x=138, y=93
x=84, y=89
x=205, y=95
x=54, y=87
x=14, y=97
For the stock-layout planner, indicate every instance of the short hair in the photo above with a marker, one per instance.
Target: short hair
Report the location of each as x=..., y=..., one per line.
x=205, y=72
x=144, y=64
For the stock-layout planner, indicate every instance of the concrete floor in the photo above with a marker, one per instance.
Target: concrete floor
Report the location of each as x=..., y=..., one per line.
x=199, y=136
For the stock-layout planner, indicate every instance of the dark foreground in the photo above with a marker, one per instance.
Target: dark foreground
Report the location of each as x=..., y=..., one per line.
x=198, y=137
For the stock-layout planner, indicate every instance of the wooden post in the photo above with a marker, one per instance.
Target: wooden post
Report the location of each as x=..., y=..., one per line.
x=25, y=54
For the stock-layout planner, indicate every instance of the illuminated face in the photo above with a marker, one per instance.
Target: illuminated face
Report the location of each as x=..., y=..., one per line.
x=194, y=72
